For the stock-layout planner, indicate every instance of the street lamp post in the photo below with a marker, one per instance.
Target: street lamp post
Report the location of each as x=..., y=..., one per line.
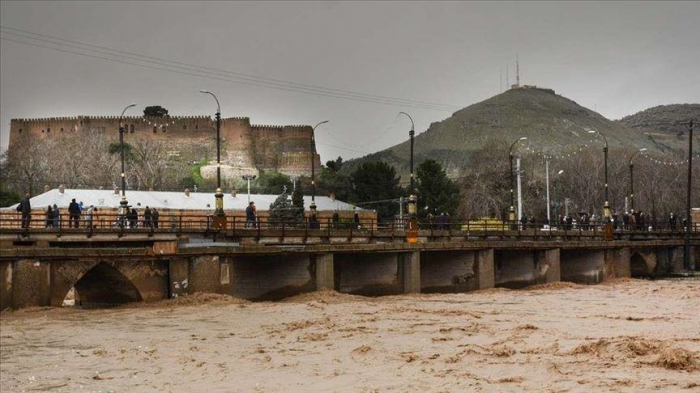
x=632, y=176
x=249, y=178
x=511, y=211
x=606, y=206
x=689, y=219
x=219, y=215
x=557, y=202
x=549, y=219
x=412, y=233
x=123, y=204
x=312, y=207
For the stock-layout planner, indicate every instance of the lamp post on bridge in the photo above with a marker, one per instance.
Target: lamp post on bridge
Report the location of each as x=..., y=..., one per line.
x=549, y=206
x=248, y=178
x=219, y=215
x=557, y=202
x=123, y=204
x=312, y=207
x=606, y=205
x=412, y=232
x=511, y=211
x=632, y=175
x=689, y=219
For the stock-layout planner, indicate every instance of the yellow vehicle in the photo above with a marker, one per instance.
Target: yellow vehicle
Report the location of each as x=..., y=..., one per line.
x=485, y=224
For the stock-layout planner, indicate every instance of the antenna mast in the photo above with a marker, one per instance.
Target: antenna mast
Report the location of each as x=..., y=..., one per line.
x=507, y=81
x=517, y=71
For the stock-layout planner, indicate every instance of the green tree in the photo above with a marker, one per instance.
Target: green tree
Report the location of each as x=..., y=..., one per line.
x=116, y=148
x=436, y=192
x=156, y=110
x=331, y=181
x=298, y=204
x=271, y=183
x=377, y=182
x=335, y=165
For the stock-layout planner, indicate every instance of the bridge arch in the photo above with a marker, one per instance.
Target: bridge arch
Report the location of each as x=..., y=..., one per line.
x=641, y=265
x=105, y=285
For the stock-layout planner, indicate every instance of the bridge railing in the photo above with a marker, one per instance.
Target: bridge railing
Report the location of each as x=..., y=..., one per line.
x=184, y=222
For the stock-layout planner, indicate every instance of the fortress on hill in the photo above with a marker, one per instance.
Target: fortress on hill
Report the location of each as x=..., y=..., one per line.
x=245, y=148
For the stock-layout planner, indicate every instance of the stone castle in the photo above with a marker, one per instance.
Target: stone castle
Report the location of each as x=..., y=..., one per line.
x=245, y=149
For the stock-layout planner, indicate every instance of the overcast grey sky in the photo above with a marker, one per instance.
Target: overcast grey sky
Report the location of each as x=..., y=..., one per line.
x=618, y=58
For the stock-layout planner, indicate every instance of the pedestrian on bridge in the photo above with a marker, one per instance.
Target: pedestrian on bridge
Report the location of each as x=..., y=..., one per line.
x=336, y=219
x=672, y=221
x=49, y=217
x=147, y=217
x=250, y=215
x=133, y=218
x=154, y=216
x=73, y=214
x=90, y=216
x=56, y=216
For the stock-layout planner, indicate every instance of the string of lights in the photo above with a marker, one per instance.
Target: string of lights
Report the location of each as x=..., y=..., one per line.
x=160, y=125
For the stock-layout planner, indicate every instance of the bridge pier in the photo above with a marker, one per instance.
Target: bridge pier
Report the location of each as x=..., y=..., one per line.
x=552, y=261
x=324, y=271
x=617, y=263
x=484, y=271
x=6, y=272
x=31, y=283
x=410, y=271
x=178, y=277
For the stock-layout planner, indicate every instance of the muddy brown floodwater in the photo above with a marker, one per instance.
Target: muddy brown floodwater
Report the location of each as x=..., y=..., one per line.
x=626, y=336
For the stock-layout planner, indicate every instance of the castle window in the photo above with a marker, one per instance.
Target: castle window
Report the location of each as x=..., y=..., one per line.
x=48, y=130
x=184, y=126
x=61, y=129
x=165, y=128
x=196, y=126
x=131, y=128
x=20, y=130
x=155, y=129
x=43, y=131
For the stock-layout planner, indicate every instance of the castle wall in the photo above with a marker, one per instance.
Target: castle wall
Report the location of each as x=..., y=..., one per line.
x=246, y=148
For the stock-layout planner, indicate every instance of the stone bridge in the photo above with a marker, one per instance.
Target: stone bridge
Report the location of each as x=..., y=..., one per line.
x=39, y=269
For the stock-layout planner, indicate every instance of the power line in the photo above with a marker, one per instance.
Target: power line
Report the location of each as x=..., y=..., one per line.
x=211, y=73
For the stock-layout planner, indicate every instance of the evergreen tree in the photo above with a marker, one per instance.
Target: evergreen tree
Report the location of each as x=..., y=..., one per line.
x=156, y=110
x=435, y=191
x=298, y=205
x=377, y=182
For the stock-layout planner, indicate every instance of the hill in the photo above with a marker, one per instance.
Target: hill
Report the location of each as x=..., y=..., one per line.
x=552, y=123
x=664, y=120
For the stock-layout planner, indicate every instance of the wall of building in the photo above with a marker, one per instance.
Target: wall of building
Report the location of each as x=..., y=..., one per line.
x=245, y=148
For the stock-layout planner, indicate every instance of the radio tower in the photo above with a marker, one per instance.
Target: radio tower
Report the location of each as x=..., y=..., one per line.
x=517, y=72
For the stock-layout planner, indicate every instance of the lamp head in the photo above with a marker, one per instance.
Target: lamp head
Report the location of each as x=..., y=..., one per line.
x=560, y=172
x=592, y=131
x=205, y=91
x=643, y=149
x=523, y=138
x=132, y=105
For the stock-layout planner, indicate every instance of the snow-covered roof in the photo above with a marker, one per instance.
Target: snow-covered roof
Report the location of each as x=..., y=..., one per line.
x=171, y=200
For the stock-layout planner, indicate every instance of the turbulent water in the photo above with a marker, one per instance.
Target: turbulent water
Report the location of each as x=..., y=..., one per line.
x=627, y=335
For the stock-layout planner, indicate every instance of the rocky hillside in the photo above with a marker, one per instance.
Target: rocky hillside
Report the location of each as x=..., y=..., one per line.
x=664, y=120
x=553, y=124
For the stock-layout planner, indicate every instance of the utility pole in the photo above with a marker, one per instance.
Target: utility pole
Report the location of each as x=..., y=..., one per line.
x=687, y=262
x=520, y=195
